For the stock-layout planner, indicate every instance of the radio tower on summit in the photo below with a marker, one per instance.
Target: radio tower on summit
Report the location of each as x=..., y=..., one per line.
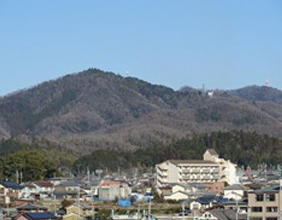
x=266, y=81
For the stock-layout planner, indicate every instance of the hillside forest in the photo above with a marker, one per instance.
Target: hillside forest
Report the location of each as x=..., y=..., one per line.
x=35, y=163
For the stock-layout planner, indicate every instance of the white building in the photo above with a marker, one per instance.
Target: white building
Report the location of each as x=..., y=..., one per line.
x=211, y=169
x=187, y=171
x=227, y=168
x=234, y=192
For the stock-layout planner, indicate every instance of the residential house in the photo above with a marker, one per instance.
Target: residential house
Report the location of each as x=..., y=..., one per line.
x=81, y=209
x=221, y=214
x=9, y=192
x=68, y=190
x=235, y=192
x=178, y=191
x=58, y=180
x=30, y=191
x=206, y=202
x=29, y=207
x=72, y=216
x=44, y=188
x=216, y=187
x=110, y=190
x=36, y=216
x=176, y=196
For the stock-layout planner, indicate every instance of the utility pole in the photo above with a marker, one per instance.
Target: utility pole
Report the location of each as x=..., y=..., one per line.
x=88, y=176
x=78, y=197
x=92, y=205
x=149, y=209
x=237, y=210
x=279, y=202
x=21, y=177
x=17, y=176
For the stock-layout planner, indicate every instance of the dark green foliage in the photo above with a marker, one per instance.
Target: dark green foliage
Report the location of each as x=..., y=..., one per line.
x=97, y=160
x=244, y=148
x=38, y=160
x=33, y=164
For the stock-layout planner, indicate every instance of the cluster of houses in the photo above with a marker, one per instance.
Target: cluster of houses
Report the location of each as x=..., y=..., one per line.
x=208, y=189
x=23, y=201
x=213, y=188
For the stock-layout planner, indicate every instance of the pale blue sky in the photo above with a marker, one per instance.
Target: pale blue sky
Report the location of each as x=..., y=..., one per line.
x=224, y=44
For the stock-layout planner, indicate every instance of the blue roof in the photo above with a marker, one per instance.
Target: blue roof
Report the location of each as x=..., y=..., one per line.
x=39, y=215
x=12, y=185
x=209, y=199
x=30, y=206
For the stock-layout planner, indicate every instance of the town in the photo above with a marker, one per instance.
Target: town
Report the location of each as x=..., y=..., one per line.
x=212, y=188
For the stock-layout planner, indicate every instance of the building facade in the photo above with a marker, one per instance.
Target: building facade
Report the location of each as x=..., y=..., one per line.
x=265, y=204
x=210, y=170
x=227, y=168
x=187, y=171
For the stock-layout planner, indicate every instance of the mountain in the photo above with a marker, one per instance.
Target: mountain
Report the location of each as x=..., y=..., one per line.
x=258, y=93
x=96, y=109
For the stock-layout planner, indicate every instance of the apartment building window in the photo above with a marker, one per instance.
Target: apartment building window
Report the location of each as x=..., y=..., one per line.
x=271, y=209
x=270, y=197
x=259, y=197
x=255, y=218
x=271, y=218
x=256, y=209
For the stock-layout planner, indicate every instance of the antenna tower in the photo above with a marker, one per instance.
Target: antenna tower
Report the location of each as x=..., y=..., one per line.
x=266, y=81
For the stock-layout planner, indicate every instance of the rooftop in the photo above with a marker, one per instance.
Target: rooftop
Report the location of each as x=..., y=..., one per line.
x=30, y=206
x=235, y=187
x=212, y=152
x=178, y=162
x=39, y=215
x=12, y=185
x=43, y=183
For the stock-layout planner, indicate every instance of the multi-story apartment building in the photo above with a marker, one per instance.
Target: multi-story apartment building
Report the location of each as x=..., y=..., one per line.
x=211, y=169
x=265, y=204
x=187, y=171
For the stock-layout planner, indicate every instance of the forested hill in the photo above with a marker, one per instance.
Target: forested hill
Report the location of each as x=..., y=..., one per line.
x=258, y=93
x=95, y=109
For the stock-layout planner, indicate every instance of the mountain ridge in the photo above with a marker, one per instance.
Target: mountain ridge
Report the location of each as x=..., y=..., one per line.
x=96, y=109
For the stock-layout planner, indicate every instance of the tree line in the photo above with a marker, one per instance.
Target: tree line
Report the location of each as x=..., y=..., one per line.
x=243, y=148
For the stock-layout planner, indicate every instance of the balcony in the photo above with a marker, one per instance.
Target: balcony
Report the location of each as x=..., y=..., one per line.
x=215, y=177
x=186, y=170
x=197, y=170
x=162, y=169
x=206, y=177
x=186, y=177
x=206, y=170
